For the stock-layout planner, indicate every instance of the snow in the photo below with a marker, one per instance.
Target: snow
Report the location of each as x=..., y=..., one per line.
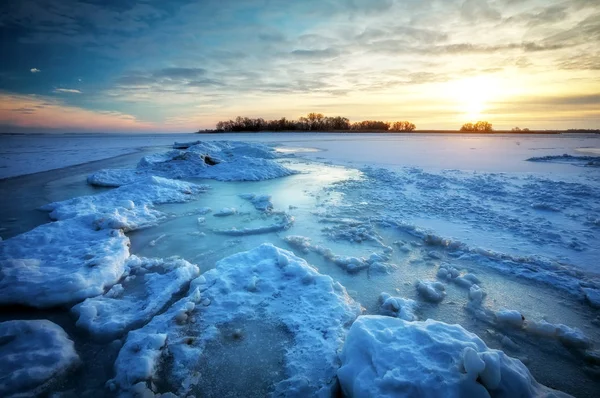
x=386, y=356
x=593, y=296
x=225, y=211
x=219, y=160
x=467, y=212
x=260, y=202
x=33, y=353
x=127, y=207
x=60, y=263
x=398, y=307
x=431, y=291
x=266, y=284
x=510, y=317
x=146, y=286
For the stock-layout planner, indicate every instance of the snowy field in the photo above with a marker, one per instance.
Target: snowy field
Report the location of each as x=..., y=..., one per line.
x=300, y=265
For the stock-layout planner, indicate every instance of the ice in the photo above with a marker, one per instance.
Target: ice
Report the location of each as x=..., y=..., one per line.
x=282, y=222
x=225, y=211
x=592, y=296
x=60, y=263
x=431, y=290
x=127, y=207
x=386, y=356
x=398, y=307
x=510, y=317
x=220, y=160
x=32, y=354
x=260, y=202
x=266, y=284
x=569, y=337
x=588, y=161
x=376, y=262
x=146, y=286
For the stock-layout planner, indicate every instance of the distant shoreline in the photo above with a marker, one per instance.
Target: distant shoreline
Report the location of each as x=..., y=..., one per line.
x=536, y=132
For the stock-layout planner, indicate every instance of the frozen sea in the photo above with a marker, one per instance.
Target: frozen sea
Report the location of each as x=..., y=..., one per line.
x=514, y=217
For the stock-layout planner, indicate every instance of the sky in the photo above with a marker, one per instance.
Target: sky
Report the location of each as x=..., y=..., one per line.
x=179, y=66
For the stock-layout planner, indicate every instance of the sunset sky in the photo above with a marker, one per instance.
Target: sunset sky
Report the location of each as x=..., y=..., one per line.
x=154, y=66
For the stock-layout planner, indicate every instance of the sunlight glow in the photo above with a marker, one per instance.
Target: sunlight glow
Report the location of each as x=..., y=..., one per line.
x=474, y=94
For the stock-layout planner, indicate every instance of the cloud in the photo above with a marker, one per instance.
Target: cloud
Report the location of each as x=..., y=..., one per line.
x=34, y=70
x=66, y=91
x=180, y=73
x=30, y=111
x=475, y=11
x=316, y=54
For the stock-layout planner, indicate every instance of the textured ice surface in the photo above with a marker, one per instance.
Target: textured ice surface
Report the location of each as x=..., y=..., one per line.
x=219, y=160
x=32, y=353
x=398, y=307
x=128, y=207
x=60, y=263
x=146, y=286
x=266, y=284
x=385, y=357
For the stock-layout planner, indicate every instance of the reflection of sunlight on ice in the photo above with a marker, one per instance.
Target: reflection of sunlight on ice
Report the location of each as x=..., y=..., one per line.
x=593, y=151
x=293, y=149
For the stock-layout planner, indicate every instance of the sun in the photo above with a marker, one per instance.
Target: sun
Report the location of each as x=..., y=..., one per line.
x=473, y=95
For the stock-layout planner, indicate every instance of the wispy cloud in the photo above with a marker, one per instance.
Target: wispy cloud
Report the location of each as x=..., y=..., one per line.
x=32, y=111
x=66, y=91
x=34, y=70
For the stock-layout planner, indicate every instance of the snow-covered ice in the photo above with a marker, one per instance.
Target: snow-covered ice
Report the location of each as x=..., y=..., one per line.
x=220, y=160
x=267, y=284
x=60, y=263
x=146, y=286
x=128, y=207
x=32, y=353
x=386, y=356
x=514, y=243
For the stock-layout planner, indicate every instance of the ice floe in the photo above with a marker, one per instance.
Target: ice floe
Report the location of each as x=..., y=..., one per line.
x=385, y=356
x=266, y=284
x=127, y=207
x=220, y=160
x=147, y=285
x=32, y=354
x=60, y=263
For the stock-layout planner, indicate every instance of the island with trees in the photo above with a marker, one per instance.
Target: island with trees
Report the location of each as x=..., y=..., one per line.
x=317, y=122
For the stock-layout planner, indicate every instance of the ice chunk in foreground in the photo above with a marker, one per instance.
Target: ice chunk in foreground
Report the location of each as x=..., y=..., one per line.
x=60, y=263
x=146, y=287
x=385, y=357
x=126, y=207
x=265, y=284
x=31, y=354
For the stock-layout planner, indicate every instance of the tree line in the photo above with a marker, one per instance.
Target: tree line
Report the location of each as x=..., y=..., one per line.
x=311, y=122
